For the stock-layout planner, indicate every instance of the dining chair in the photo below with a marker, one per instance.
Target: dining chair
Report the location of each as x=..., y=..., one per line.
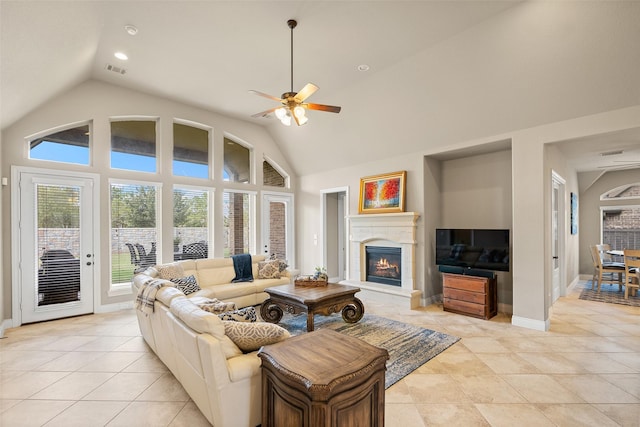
x=632, y=266
x=605, y=268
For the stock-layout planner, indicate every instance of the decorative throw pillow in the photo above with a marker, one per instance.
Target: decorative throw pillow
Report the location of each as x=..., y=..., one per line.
x=170, y=271
x=247, y=314
x=282, y=264
x=251, y=336
x=269, y=269
x=187, y=285
x=213, y=305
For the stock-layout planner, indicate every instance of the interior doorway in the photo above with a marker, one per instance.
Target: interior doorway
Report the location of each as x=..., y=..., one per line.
x=558, y=237
x=335, y=211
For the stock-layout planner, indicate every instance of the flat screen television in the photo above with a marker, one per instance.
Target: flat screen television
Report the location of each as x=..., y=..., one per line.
x=466, y=248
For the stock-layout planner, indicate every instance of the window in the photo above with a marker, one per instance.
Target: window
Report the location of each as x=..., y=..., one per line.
x=190, y=224
x=237, y=216
x=270, y=176
x=68, y=146
x=621, y=224
x=631, y=191
x=133, y=145
x=134, y=229
x=236, y=162
x=190, y=151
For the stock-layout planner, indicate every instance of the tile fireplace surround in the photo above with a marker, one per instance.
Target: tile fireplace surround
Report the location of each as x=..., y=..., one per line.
x=387, y=230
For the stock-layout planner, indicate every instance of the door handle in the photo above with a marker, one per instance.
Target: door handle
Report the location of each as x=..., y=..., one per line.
x=555, y=257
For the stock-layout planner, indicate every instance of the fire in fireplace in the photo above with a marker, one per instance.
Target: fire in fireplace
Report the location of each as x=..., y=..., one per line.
x=383, y=265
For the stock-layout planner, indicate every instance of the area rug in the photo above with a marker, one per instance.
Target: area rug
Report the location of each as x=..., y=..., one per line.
x=409, y=346
x=610, y=294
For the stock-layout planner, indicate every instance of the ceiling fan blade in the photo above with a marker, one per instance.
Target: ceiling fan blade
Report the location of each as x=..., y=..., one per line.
x=255, y=92
x=308, y=90
x=265, y=113
x=321, y=107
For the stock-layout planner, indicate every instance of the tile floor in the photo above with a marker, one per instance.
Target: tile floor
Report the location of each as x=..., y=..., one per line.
x=96, y=370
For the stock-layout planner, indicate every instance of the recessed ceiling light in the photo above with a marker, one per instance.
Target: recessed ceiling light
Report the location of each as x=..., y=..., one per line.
x=131, y=30
x=363, y=67
x=121, y=55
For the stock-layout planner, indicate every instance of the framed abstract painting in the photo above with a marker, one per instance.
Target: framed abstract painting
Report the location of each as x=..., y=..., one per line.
x=574, y=213
x=382, y=193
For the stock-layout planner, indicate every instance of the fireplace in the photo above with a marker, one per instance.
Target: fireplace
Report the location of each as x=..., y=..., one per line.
x=384, y=265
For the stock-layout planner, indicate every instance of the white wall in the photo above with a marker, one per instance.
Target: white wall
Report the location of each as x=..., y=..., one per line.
x=99, y=102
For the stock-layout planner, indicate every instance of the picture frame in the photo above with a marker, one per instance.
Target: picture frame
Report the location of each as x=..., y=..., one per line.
x=383, y=193
x=574, y=213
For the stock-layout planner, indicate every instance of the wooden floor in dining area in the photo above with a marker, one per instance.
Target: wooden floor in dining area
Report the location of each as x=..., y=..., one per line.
x=585, y=371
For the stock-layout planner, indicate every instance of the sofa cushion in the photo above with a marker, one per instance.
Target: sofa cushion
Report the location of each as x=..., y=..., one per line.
x=170, y=271
x=187, y=284
x=252, y=336
x=214, y=271
x=167, y=293
x=203, y=322
x=247, y=314
x=269, y=269
x=229, y=291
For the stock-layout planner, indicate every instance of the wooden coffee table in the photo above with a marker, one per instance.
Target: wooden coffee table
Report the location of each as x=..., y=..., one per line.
x=325, y=300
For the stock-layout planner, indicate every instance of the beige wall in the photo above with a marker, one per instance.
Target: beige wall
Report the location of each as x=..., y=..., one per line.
x=432, y=191
x=99, y=102
x=589, y=206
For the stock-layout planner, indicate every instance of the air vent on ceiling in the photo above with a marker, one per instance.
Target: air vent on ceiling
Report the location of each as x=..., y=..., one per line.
x=611, y=153
x=115, y=69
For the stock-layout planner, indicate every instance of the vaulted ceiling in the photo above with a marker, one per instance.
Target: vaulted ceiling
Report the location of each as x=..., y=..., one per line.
x=439, y=71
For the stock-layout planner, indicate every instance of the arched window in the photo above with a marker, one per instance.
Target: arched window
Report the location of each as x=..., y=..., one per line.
x=271, y=176
x=70, y=145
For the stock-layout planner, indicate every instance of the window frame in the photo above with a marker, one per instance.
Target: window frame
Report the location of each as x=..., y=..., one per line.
x=252, y=218
x=56, y=129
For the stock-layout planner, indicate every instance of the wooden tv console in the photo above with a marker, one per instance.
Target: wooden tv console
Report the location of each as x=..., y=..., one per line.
x=470, y=295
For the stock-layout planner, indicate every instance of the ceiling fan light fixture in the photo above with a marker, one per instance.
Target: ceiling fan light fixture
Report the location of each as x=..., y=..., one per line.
x=299, y=112
x=281, y=113
x=286, y=120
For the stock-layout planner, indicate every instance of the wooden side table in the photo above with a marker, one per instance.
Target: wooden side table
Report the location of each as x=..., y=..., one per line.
x=323, y=379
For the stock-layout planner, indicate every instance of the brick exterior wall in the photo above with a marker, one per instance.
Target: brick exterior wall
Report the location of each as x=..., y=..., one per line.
x=271, y=176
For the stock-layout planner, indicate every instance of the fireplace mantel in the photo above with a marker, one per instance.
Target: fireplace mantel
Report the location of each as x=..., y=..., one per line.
x=391, y=230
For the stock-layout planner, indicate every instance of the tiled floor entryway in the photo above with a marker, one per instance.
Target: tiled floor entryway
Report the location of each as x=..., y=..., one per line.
x=96, y=370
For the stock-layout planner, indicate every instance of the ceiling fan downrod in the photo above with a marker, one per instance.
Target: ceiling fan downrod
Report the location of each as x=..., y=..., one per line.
x=292, y=23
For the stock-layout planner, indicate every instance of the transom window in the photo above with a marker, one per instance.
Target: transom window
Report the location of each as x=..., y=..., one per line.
x=67, y=146
x=271, y=176
x=237, y=162
x=190, y=151
x=133, y=145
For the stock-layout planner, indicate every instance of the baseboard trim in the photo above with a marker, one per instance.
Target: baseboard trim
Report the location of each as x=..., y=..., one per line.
x=5, y=324
x=537, y=325
x=110, y=308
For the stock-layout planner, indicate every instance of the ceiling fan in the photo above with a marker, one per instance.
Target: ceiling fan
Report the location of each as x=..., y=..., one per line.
x=293, y=104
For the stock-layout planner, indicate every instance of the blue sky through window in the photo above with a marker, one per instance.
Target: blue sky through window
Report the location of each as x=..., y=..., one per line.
x=53, y=151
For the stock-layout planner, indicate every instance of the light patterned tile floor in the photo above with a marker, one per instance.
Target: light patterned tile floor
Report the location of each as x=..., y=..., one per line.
x=585, y=371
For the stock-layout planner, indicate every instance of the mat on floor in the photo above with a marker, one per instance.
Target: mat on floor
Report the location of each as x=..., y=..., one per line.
x=409, y=346
x=609, y=293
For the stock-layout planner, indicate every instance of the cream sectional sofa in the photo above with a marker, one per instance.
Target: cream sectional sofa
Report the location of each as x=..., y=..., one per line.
x=224, y=383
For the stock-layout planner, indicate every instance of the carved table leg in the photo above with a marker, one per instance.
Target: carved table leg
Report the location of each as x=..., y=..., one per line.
x=270, y=311
x=353, y=312
x=310, y=324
